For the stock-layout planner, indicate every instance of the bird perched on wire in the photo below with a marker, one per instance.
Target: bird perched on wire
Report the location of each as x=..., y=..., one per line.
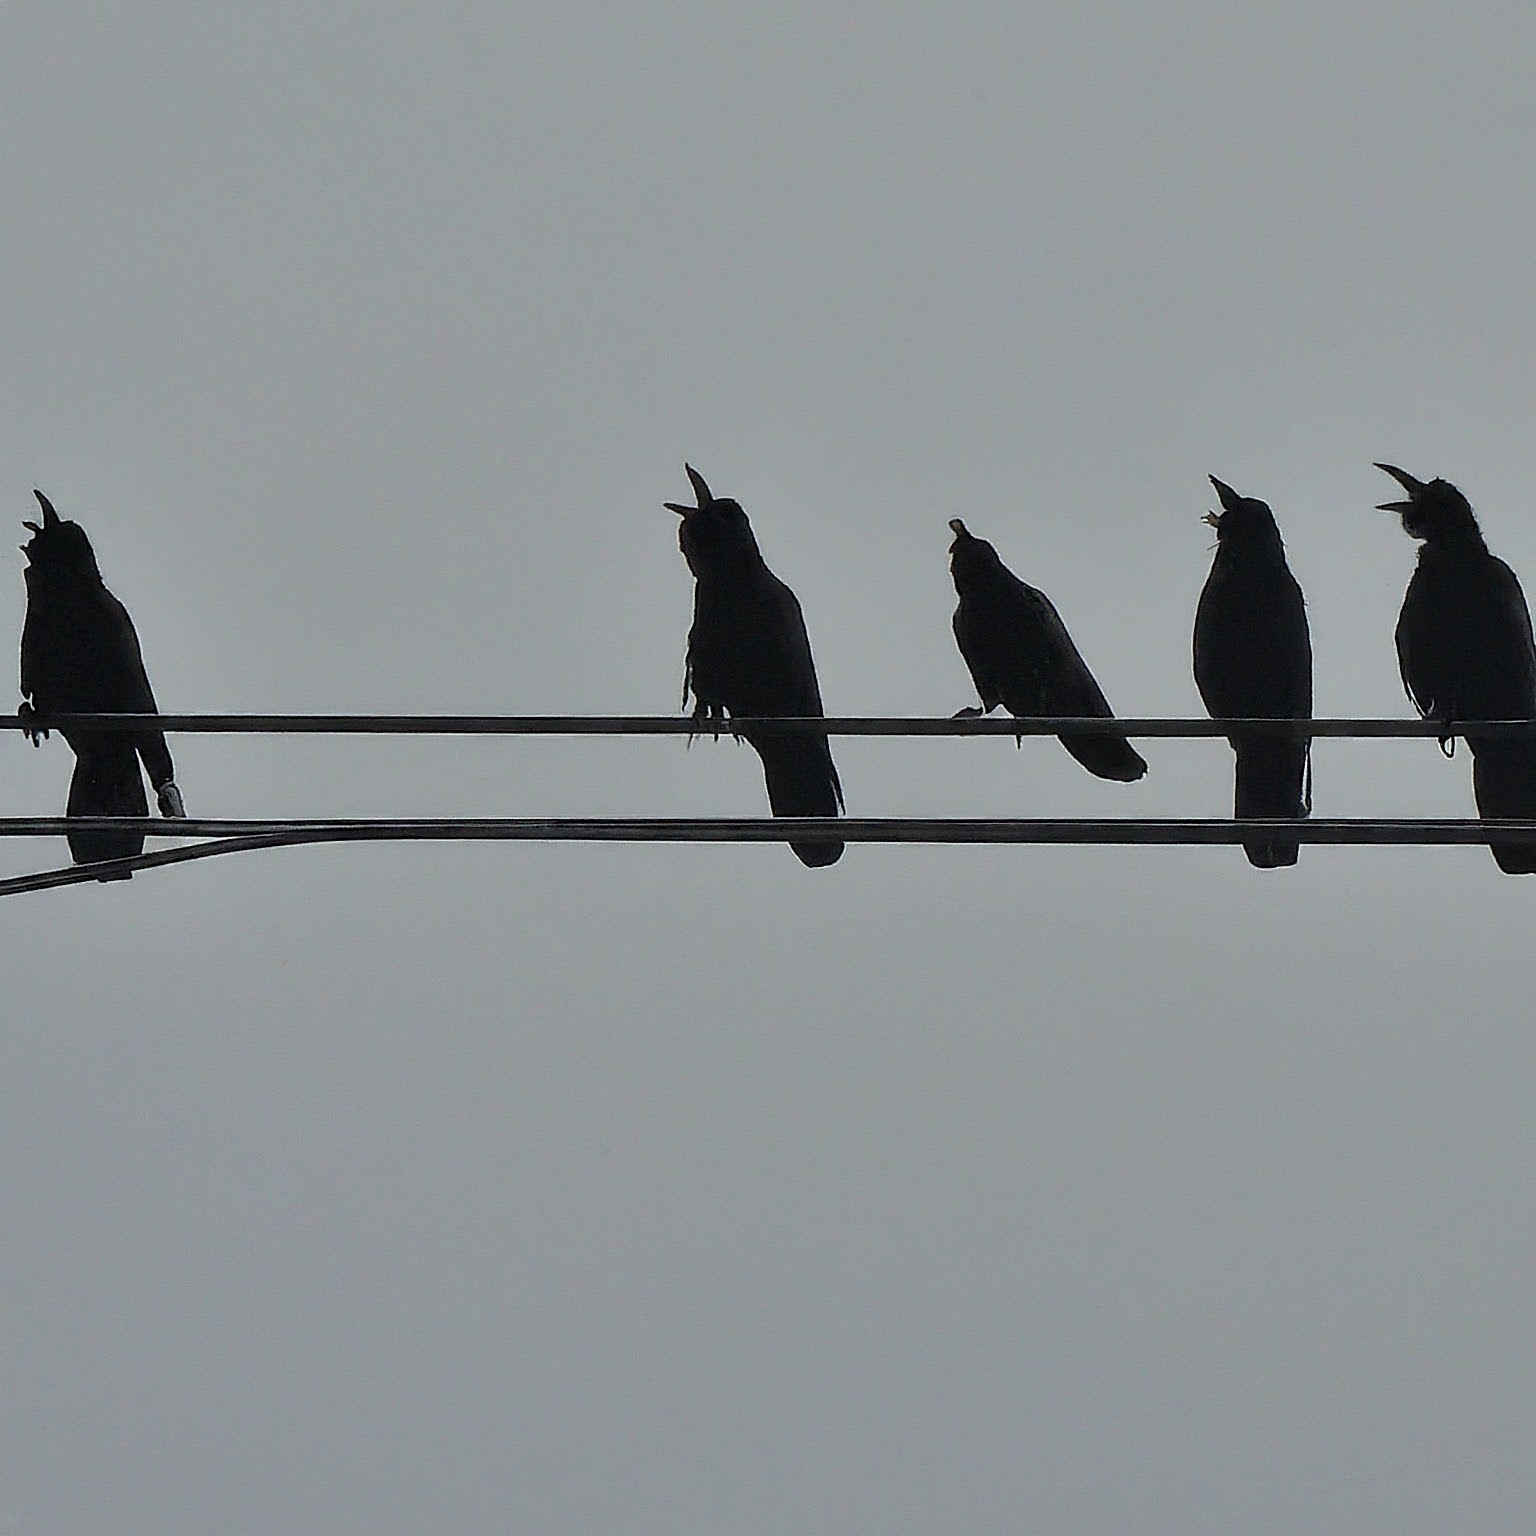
x=1022, y=657
x=1465, y=651
x=1253, y=660
x=749, y=655
x=80, y=655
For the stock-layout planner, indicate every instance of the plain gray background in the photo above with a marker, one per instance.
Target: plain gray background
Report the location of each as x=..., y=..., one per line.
x=580, y=1189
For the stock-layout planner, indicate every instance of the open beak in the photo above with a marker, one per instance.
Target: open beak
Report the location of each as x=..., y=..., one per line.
x=1229, y=497
x=1408, y=483
x=700, y=491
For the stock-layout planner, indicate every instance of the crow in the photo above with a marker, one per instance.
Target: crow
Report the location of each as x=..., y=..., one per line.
x=1253, y=660
x=80, y=654
x=749, y=655
x=1465, y=651
x=1022, y=657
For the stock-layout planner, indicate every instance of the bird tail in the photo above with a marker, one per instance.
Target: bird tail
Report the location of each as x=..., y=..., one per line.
x=106, y=782
x=1504, y=781
x=1271, y=782
x=802, y=781
x=1109, y=757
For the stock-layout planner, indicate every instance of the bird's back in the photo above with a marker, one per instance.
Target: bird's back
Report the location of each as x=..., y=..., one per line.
x=1020, y=653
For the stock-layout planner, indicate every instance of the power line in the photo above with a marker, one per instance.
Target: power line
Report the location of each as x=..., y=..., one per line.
x=1159, y=831
x=833, y=725
x=216, y=837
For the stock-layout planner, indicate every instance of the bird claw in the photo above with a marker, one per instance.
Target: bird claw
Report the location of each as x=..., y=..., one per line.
x=168, y=797
x=970, y=712
x=29, y=718
x=708, y=719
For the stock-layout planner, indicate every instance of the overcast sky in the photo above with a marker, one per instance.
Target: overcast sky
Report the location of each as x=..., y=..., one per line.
x=684, y=1189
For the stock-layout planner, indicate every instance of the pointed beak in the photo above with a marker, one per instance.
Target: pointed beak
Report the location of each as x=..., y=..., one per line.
x=1229, y=497
x=700, y=488
x=1408, y=483
x=49, y=515
x=700, y=491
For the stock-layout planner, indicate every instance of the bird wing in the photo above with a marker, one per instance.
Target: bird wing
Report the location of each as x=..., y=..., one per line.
x=970, y=636
x=748, y=650
x=1066, y=685
x=1422, y=650
x=1510, y=617
x=787, y=657
x=1464, y=642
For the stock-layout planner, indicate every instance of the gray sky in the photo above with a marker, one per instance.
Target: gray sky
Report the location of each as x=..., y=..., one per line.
x=684, y=1189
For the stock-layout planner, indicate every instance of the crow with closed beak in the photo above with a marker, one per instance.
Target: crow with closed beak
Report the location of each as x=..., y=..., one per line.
x=1465, y=651
x=1021, y=656
x=80, y=655
x=1253, y=660
x=749, y=656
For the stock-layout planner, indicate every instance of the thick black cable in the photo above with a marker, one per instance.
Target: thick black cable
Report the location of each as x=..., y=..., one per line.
x=222, y=837
x=834, y=725
x=1164, y=831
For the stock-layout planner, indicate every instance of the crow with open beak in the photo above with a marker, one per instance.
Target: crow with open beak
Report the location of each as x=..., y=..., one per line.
x=80, y=654
x=1253, y=660
x=1021, y=656
x=749, y=656
x=1465, y=651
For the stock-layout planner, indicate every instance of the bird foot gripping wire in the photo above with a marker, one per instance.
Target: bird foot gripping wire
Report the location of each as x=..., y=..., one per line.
x=30, y=719
x=710, y=720
x=977, y=712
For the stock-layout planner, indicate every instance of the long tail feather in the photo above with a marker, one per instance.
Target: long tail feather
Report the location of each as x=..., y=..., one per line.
x=1270, y=783
x=802, y=781
x=106, y=782
x=1504, y=781
x=1108, y=757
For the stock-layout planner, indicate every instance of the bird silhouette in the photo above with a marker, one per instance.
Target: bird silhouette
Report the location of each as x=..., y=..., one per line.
x=1465, y=651
x=1021, y=656
x=1253, y=660
x=749, y=656
x=80, y=654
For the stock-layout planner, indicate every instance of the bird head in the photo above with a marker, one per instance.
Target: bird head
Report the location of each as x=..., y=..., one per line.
x=716, y=531
x=1242, y=519
x=971, y=560
x=1432, y=509
x=58, y=550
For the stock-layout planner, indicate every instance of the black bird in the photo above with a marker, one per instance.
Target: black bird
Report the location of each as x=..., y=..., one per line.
x=749, y=655
x=79, y=654
x=1022, y=657
x=1465, y=651
x=1253, y=660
